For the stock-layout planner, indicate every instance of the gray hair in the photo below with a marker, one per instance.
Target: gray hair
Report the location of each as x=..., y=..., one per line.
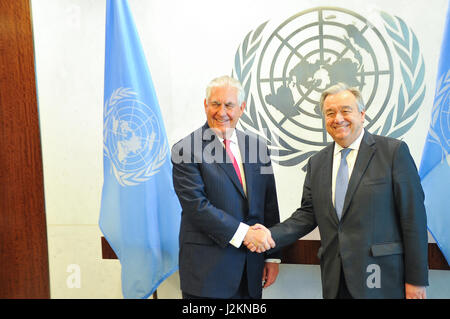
x=226, y=81
x=337, y=88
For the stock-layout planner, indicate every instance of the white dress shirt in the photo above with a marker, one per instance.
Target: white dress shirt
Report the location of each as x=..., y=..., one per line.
x=234, y=147
x=238, y=237
x=351, y=159
x=240, y=233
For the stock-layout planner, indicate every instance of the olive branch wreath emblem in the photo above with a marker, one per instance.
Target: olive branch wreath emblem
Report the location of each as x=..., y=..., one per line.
x=440, y=102
x=412, y=90
x=141, y=175
x=399, y=120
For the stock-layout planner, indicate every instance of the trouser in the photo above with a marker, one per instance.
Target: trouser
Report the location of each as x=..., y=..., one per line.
x=241, y=293
x=343, y=292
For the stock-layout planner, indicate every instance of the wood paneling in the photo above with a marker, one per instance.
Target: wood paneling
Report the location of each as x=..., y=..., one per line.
x=23, y=237
x=305, y=252
x=436, y=259
x=107, y=251
x=301, y=252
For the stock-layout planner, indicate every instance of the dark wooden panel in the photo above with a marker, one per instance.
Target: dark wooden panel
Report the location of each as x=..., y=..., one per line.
x=107, y=251
x=301, y=252
x=305, y=252
x=23, y=236
x=436, y=259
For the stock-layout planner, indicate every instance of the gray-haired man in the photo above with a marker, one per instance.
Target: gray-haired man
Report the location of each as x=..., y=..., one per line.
x=364, y=194
x=220, y=177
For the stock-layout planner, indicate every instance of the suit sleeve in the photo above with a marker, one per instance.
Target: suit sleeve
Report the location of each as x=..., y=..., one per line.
x=409, y=200
x=271, y=212
x=190, y=189
x=301, y=222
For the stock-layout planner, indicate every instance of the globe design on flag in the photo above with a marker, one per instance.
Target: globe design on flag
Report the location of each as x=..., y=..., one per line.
x=312, y=51
x=445, y=118
x=445, y=123
x=132, y=136
x=439, y=131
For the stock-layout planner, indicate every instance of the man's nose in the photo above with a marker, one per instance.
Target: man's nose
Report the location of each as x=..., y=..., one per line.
x=339, y=117
x=222, y=110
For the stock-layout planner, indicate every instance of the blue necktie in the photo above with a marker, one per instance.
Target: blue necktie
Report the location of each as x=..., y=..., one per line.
x=341, y=183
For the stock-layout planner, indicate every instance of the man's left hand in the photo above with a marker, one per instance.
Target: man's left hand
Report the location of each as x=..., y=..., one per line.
x=415, y=292
x=270, y=273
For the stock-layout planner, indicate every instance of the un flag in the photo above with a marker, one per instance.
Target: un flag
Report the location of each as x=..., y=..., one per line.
x=140, y=212
x=435, y=165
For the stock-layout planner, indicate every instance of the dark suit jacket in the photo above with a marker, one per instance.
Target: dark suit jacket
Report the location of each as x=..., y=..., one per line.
x=383, y=221
x=214, y=203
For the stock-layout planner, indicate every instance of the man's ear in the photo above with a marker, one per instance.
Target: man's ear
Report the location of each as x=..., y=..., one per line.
x=242, y=107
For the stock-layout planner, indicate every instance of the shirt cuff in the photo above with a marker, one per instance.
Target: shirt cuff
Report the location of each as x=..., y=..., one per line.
x=239, y=235
x=272, y=260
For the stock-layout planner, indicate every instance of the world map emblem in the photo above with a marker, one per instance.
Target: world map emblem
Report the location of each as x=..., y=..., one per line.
x=285, y=70
x=438, y=134
x=132, y=138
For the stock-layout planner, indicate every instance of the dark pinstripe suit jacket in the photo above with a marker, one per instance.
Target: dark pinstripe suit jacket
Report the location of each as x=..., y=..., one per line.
x=214, y=203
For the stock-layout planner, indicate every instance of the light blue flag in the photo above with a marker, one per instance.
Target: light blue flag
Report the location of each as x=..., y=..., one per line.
x=435, y=166
x=140, y=213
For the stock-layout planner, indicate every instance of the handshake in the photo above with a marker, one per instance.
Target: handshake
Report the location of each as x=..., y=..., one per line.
x=259, y=239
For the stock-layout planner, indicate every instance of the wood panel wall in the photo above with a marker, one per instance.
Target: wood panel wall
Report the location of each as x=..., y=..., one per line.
x=305, y=252
x=24, y=269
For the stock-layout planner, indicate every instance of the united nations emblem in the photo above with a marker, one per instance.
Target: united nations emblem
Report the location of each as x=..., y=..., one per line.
x=314, y=50
x=439, y=133
x=131, y=138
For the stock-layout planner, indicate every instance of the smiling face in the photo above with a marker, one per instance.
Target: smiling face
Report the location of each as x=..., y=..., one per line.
x=343, y=120
x=222, y=109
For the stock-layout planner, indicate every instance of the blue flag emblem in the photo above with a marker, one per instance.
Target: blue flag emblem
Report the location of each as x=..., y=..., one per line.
x=133, y=140
x=435, y=165
x=140, y=212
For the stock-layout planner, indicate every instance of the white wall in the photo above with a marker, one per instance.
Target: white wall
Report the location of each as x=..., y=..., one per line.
x=186, y=43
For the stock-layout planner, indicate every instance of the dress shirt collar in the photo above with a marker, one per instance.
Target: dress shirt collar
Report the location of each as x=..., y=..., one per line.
x=233, y=138
x=354, y=146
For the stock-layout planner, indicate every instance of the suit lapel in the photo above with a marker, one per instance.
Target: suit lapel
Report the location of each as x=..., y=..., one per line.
x=366, y=151
x=221, y=159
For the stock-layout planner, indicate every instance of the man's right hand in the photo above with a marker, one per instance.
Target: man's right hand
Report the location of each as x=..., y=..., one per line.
x=258, y=239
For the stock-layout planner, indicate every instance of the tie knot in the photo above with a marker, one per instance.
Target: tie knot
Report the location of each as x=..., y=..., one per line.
x=227, y=143
x=344, y=152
